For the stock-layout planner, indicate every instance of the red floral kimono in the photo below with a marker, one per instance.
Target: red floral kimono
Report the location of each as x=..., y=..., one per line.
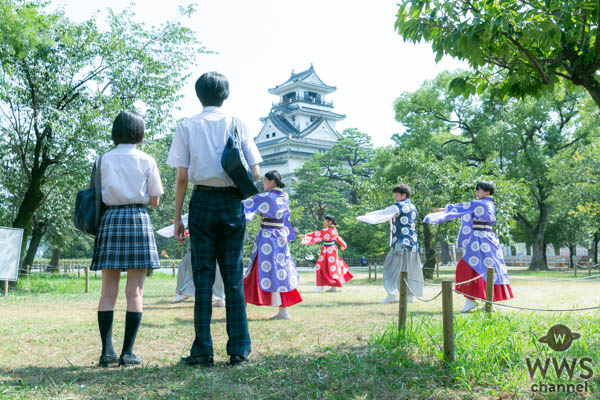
x=331, y=269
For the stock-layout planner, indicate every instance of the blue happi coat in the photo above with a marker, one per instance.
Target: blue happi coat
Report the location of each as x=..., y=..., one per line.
x=482, y=247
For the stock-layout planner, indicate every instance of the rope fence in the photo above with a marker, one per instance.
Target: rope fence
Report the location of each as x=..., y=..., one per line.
x=449, y=287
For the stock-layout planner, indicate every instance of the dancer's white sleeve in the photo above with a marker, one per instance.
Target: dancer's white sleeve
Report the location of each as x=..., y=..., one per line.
x=379, y=216
x=169, y=231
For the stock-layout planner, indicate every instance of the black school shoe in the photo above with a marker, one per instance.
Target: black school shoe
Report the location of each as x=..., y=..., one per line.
x=204, y=361
x=106, y=359
x=129, y=359
x=237, y=360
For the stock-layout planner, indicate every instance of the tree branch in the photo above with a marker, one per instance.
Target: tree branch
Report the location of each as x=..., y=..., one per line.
x=531, y=58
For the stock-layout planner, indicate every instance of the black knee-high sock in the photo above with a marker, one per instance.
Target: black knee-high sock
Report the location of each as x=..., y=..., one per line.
x=105, y=323
x=132, y=323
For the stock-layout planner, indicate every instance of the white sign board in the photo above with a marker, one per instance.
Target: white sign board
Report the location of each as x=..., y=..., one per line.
x=10, y=253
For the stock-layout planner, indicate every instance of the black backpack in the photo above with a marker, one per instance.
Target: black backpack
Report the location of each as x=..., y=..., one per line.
x=235, y=165
x=88, y=203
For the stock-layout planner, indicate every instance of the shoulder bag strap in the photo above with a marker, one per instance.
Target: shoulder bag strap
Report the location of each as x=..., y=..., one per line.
x=98, y=187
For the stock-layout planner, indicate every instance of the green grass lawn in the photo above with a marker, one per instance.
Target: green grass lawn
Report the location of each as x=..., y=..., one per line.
x=337, y=345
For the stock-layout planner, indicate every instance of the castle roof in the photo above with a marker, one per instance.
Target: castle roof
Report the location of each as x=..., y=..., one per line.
x=306, y=79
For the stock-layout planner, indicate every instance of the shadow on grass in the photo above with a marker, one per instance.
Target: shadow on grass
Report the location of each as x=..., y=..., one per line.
x=340, y=372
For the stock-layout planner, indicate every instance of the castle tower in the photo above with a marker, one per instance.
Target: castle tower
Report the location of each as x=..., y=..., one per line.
x=300, y=124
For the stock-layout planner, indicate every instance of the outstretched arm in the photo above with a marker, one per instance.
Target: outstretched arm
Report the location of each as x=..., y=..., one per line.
x=379, y=216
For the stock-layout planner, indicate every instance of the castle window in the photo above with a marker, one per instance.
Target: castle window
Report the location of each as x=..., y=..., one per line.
x=267, y=135
x=273, y=135
x=312, y=119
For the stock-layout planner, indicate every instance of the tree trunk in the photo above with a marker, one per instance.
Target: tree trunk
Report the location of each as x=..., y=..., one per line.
x=36, y=238
x=446, y=257
x=31, y=202
x=571, y=251
x=595, y=247
x=430, y=256
x=54, y=261
x=538, y=256
x=591, y=84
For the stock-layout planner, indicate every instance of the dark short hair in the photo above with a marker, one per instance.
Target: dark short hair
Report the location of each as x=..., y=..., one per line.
x=128, y=128
x=212, y=88
x=331, y=219
x=275, y=176
x=402, y=188
x=486, y=186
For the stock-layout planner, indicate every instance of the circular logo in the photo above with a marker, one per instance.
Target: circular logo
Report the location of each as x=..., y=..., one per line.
x=403, y=220
x=280, y=258
x=485, y=247
x=559, y=337
x=264, y=207
x=281, y=274
x=332, y=268
x=281, y=241
x=466, y=217
x=488, y=262
x=265, y=233
x=282, y=289
x=293, y=281
x=405, y=209
x=279, y=214
x=479, y=211
x=331, y=259
x=266, y=249
x=404, y=231
x=466, y=230
x=475, y=246
x=473, y=260
x=249, y=203
x=330, y=250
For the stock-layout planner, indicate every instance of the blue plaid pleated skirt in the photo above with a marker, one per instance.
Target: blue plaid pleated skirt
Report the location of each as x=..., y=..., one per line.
x=125, y=240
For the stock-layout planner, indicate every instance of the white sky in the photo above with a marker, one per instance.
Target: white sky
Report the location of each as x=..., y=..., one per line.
x=352, y=45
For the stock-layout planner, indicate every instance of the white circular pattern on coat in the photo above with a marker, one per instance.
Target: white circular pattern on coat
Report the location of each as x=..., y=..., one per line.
x=280, y=258
x=286, y=230
x=249, y=203
x=281, y=274
x=317, y=267
x=479, y=211
x=340, y=263
x=414, y=237
x=317, y=234
x=466, y=217
x=404, y=231
x=394, y=239
x=465, y=243
x=499, y=253
x=321, y=258
x=265, y=283
x=264, y=207
x=331, y=259
x=488, y=262
x=265, y=233
x=393, y=228
x=403, y=220
x=293, y=281
x=281, y=241
x=466, y=230
x=266, y=249
x=475, y=246
x=281, y=289
x=330, y=250
x=264, y=194
x=473, y=260
x=412, y=226
x=413, y=215
x=485, y=247
x=279, y=213
x=466, y=205
x=279, y=200
x=327, y=236
x=406, y=241
x=332, y=268
x=335, y=276
x=266, y=266
x=405, y=209
x=454, y=210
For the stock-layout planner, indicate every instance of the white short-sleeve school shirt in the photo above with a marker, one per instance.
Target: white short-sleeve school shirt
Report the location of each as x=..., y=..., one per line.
x=129, y=176
x=198, y=145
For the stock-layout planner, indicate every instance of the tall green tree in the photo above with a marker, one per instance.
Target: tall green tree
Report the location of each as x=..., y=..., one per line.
x=62, y=83
x=519, y=47
x=517, y=139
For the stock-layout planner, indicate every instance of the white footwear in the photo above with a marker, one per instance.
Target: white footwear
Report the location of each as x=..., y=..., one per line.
x=179, y=298
x=469, y=305
x=332, y=289
x=281, y=315
x=391, y=298
x=318, y=289
x=219, y=303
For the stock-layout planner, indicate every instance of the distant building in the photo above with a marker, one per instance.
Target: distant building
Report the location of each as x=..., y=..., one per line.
x=299, y=125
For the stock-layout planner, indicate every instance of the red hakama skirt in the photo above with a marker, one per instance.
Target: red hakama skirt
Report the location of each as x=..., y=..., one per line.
x=476, y=289
x=255, y=295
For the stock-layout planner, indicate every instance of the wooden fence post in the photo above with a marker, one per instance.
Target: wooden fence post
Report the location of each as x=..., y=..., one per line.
x=448, y=321
x=5, y=288
x=402, y=308
x=589, y=268
x=87, y=279
x=173, y=266
x=575, y=268
x=489, y=290
x=370, y=266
